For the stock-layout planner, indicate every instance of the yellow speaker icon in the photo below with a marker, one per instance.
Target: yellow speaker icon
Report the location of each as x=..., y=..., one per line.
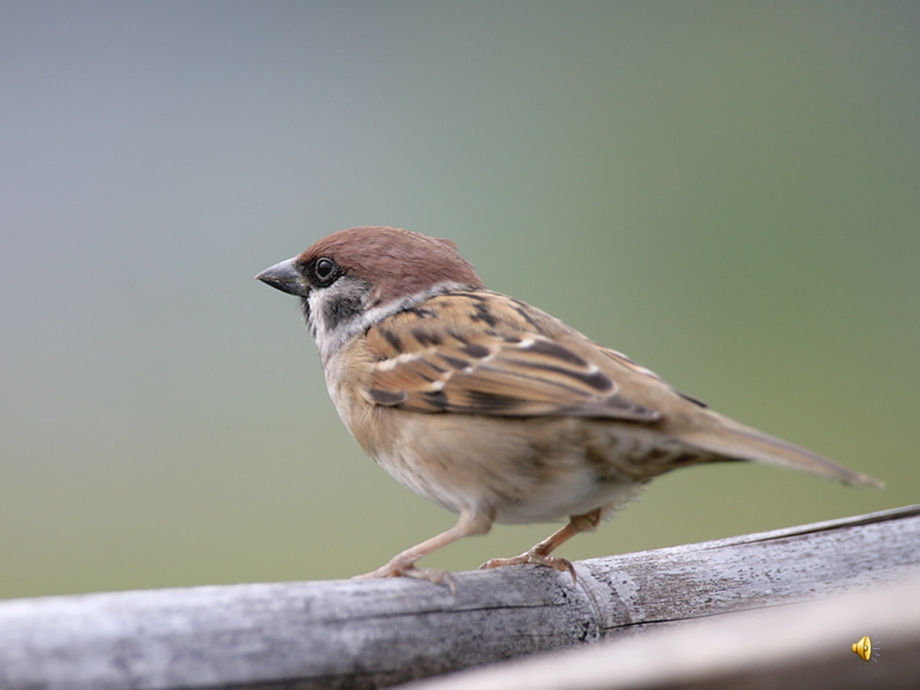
x=863, y=648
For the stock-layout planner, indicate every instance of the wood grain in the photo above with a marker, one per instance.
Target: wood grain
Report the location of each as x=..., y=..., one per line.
x=370, y=634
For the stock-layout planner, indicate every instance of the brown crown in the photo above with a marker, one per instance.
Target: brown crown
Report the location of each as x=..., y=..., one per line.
x=396, y=262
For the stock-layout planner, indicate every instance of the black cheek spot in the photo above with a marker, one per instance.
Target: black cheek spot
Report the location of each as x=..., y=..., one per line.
x=336, y=312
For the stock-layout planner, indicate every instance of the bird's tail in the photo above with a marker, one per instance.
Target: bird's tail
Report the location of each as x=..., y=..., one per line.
x=730, y=440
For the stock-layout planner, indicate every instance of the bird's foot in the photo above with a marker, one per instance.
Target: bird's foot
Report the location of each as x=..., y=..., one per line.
x=397, y=569
x=534, y=557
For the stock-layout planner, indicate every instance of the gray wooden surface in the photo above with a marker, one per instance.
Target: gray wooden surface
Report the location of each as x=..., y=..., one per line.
x=346, y=634
x=805, y=646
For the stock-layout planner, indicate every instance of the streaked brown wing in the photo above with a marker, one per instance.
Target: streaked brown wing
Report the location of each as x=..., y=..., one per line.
x=432, y=363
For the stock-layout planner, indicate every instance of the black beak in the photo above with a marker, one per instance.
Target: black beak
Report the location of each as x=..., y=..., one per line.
x=287, y=278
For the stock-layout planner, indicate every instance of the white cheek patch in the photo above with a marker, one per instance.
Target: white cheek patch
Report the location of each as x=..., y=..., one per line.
x=319, y=299
x=315, y=300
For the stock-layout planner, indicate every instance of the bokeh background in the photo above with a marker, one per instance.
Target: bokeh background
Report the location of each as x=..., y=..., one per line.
x=728, y=192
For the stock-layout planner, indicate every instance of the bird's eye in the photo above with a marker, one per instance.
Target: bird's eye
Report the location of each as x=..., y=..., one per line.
x=326, y=271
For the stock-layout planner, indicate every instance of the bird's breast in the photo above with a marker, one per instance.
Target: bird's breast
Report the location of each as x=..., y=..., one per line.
x=523, y=470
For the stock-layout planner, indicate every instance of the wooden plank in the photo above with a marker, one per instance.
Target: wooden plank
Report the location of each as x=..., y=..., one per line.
x=369, y=634
x=798, y=647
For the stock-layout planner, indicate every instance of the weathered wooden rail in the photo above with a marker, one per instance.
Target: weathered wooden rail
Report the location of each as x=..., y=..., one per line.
x=347, y=634
x=805, y=646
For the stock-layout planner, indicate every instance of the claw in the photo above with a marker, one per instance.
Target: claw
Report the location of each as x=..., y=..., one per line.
x=437, y=577
x=533, y=558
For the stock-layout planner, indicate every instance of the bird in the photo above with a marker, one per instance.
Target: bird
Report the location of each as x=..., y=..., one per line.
x=490, y=407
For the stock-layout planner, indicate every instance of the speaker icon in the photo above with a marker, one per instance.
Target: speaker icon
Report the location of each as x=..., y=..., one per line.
x=864, y=649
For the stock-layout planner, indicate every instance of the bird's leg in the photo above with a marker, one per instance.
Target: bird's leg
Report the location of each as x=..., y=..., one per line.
x=540, y=554
x=403, y=564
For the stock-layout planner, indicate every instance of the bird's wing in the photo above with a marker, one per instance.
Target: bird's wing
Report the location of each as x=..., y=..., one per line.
x=495, y=356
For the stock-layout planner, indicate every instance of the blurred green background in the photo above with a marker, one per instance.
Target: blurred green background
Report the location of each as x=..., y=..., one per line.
x=728, y=192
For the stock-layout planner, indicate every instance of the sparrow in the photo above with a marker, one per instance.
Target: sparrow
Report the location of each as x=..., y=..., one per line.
x=490, y=407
